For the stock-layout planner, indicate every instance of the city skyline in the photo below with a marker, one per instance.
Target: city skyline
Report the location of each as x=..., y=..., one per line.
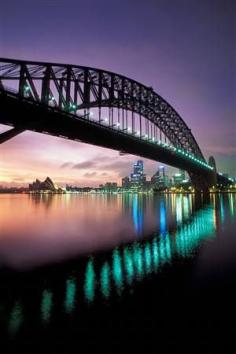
x=199, y=83
x=136, y=180
x=170, y=172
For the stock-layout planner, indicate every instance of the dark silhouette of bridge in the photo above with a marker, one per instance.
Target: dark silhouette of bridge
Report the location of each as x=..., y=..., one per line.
x=100, y=108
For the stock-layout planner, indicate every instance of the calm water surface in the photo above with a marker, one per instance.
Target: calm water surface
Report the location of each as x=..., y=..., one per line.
x=73, y=265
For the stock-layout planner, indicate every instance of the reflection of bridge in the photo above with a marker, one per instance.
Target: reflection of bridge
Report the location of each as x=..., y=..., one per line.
x=109, y=275
x=101, y=108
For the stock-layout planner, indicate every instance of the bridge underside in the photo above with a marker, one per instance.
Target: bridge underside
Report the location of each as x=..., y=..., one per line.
x=23, y=115
x=9, y=134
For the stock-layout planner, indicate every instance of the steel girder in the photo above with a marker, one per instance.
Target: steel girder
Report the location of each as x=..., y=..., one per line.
x=67, y=86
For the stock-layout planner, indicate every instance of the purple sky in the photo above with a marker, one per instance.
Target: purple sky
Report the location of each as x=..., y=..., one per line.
x=184, y=49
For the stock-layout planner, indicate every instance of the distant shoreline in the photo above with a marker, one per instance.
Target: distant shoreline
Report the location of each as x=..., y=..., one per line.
x=120, y=192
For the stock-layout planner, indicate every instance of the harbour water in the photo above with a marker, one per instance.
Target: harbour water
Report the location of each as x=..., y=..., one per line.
x=82, y=268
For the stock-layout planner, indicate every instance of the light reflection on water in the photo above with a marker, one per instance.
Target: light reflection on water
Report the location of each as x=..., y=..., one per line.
x=53, y=228
x=15, y=318
x=46, y=306
x=105, y=280
x=118, y=270
x=70, y=295
x=90, y=281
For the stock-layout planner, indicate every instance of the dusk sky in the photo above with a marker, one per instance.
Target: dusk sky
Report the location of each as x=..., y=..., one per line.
x=184, y=49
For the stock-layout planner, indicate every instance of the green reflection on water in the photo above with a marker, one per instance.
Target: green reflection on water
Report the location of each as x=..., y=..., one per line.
x=162, y=250
x=129, y=265
x=89, y=282
x=133, y=262
x=46, y=306
x=168, y=248
x=105, y=280
x=70, y=295
x=155, y=254
x=179, y=209
x=138, y=260
x=186, y=207
x=117, y=270
x=231, y=205
x=222, y=211
x=190, y=235
x=16, y=319
x=148, y=258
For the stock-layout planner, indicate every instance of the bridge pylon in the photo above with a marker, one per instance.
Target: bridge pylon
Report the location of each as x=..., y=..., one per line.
x=203, y=183
x=212, y=163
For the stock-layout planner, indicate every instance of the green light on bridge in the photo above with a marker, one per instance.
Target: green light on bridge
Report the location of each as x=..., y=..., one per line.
x=73, y=107
x=26, y=88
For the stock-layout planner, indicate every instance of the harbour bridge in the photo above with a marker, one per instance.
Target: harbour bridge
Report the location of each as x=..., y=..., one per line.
x=101, y=108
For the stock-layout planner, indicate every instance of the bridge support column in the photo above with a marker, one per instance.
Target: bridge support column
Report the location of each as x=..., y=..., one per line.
x=9, y=134
x=202, y=183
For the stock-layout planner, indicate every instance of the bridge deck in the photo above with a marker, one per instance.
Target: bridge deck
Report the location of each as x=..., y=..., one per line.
x=25, y=114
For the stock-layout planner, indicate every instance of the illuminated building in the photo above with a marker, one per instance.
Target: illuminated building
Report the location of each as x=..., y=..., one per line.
x=138, y=178
x=179, y=178
x=110, y=186
x=160, y=179
x=125, y=182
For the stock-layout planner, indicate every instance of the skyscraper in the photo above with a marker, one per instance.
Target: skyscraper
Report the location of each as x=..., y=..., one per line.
x=161, y=170
x=178, y=178
x=125, y=182
x=160, y=180
x=138, y=178
x=138, y=168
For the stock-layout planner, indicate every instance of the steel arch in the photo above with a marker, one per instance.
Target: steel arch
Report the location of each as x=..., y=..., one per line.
x=84, y=88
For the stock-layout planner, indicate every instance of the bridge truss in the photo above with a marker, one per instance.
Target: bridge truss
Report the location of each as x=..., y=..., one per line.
x=111, y=99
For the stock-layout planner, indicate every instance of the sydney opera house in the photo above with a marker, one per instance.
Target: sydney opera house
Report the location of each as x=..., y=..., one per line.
x=45, y=186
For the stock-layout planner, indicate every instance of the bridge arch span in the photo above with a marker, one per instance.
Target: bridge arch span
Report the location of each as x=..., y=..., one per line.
x=59, y=99
x=82, y=88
